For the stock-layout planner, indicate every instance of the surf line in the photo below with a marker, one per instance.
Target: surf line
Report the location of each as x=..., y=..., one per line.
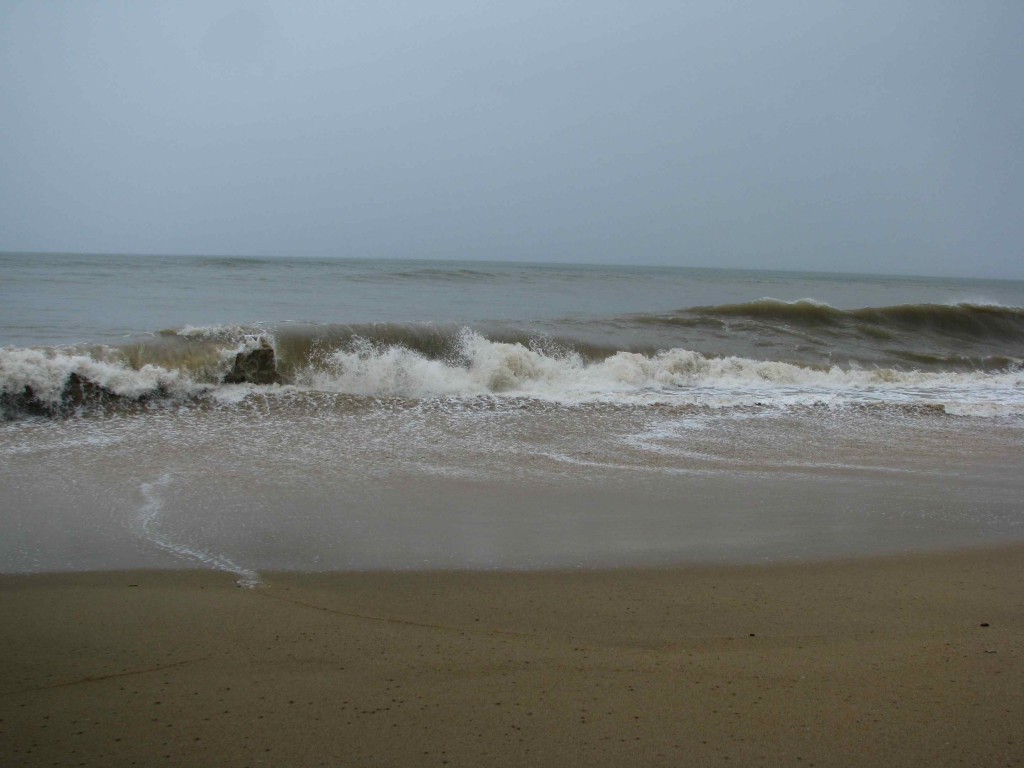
x=146, y=521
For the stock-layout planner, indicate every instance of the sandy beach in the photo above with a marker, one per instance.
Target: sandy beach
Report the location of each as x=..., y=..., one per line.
x=914, y=660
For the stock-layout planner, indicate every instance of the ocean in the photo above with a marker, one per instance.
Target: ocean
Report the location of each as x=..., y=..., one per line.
x=476, y=415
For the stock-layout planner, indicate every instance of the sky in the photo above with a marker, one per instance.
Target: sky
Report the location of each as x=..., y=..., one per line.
x=863, y=136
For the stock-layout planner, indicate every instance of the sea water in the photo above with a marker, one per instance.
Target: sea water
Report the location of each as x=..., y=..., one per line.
x=482, y=415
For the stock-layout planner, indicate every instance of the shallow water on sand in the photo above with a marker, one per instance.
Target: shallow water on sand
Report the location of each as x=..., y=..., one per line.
x=334, y=482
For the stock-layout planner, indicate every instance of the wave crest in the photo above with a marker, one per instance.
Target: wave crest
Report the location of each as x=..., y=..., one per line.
x=952, y=320
x=430, y=362
x=53, y=383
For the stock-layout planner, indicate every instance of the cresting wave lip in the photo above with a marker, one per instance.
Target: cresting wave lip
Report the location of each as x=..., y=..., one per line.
x=961, y=319
x=54, y=382
x=467, y=364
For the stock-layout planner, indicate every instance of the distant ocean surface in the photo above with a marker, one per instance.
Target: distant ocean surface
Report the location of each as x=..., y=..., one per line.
x=473, y=414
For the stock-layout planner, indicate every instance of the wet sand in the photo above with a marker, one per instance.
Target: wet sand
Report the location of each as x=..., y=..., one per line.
x=915, y=660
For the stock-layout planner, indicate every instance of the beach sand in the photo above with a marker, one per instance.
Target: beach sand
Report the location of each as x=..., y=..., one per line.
x=912, y=660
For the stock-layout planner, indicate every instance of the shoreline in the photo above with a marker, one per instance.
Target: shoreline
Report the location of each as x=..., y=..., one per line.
x=912, y=659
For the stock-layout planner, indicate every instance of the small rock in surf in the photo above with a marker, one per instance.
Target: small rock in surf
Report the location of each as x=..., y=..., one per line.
x=256, y=366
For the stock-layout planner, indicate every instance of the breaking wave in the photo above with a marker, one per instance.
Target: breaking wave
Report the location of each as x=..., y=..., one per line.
x=52, y=382
x=427, y=361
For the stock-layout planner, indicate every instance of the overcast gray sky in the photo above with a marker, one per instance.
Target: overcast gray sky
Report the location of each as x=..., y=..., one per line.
x=861, y=136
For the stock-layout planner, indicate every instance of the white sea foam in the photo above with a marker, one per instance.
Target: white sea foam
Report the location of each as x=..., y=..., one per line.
x=220, y=332
x=147, y=520
x=46, y=372
x=674, y=376
x=806, y=301
x=481, y=367
x=980, y=301
x=42, y=446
